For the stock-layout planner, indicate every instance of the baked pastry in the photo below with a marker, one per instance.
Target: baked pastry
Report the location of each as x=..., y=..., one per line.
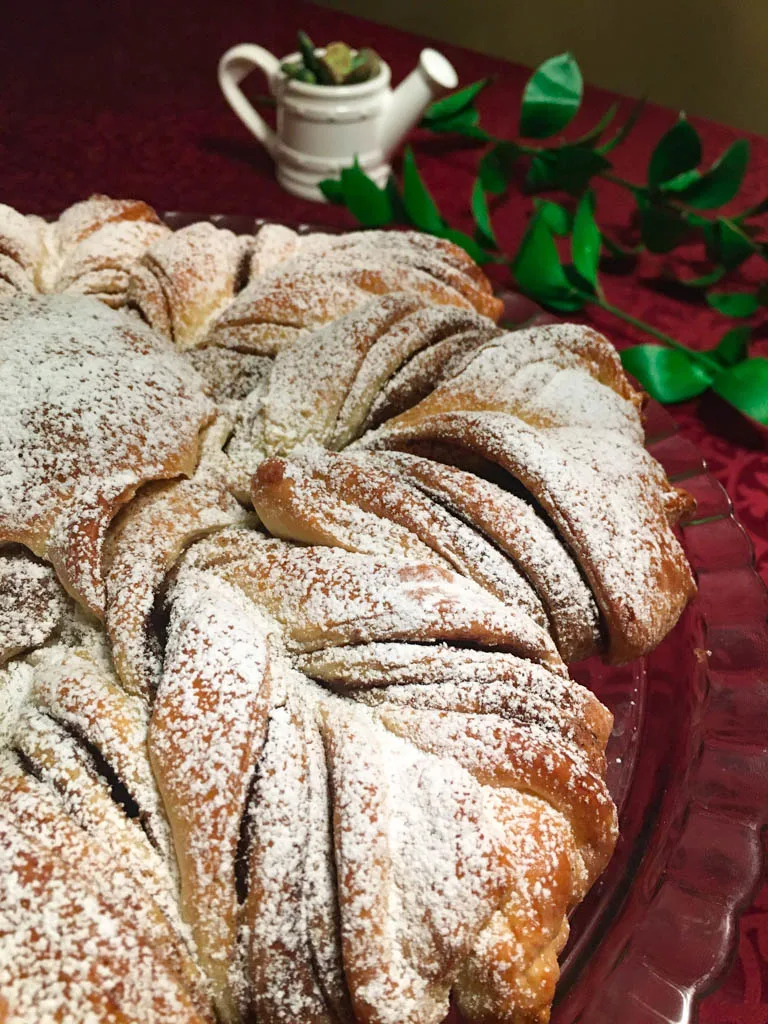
x=94, y=405
x=90, y=249
x=294, y=295
x=182, y=281
x=289, y=582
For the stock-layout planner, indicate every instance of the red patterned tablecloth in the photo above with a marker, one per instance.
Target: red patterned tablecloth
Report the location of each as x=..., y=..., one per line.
x=122, y=99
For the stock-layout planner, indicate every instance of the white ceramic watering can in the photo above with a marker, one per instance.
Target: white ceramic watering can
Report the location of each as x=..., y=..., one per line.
x=321, y=128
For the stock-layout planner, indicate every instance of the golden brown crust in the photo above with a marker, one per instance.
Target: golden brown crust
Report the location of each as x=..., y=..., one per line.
x=185, y=279
x=141, y=548
x=605, y=498
x=216, y=686
x=109, y=408
x=324, y=498
x=82, y=219
x=325, y=281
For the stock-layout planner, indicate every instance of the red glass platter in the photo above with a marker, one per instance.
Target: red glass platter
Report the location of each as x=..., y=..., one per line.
x=687, y=767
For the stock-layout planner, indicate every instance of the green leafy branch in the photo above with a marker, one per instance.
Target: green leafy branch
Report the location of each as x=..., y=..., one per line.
x=678, y=203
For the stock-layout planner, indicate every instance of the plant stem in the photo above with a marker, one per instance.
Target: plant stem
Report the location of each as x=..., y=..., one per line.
x=622, y=182
x=699, y=357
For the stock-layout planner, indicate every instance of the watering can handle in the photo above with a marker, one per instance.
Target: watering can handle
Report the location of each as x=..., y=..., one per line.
x=234, y=66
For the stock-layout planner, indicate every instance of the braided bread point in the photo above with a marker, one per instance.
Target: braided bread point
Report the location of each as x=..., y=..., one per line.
x=23, y=248
x=556, y=376
x=88, y=250
x=141, y=548
x=358, y=501
x=314, y=287
x=607, y=498
x=109, y=407
x=322, y=596
x=84, y=920
x=322, y=498
x=208, y=726
x=82, y=219
x=272, y=244
x=467, y=681
x=276, y=243
x=511, y=524
x=101, y=264
x=403, y=245
x=185, y=279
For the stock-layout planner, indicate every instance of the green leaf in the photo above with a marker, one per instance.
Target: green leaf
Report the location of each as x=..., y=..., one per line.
x=745, y=386
x=738, y=304
x=538, y=271
x=732, y=347
x=364, y=199
x=332, y=190
x=625, y=129
x=585, y=241
x=569, y=168
x=482, y=215
x=551, y=97
x=464, y=123
x=727, y=244
x=722, y=181
x=678, y=150
x=661, y=228
x=556, y=217
x=417, y=199
x=399, y=212
x=667, y=374
x=565, y=302
x=591, y=137
x=577, y=280
x=496, y=167
x=455, y=103
x=695, y=220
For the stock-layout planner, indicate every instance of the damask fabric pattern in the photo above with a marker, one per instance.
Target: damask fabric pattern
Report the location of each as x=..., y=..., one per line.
x=112, y=108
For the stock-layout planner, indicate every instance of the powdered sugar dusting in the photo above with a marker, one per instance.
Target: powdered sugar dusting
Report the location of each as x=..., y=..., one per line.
x=92, y=406
x=324, y=498
x=77, y=935
x=605, y=495
x=208, y=726
x=288, y=294
x=32, y=603
x=186, y=278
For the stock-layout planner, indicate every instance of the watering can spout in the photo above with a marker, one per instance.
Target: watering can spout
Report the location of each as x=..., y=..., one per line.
x=433, y=76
